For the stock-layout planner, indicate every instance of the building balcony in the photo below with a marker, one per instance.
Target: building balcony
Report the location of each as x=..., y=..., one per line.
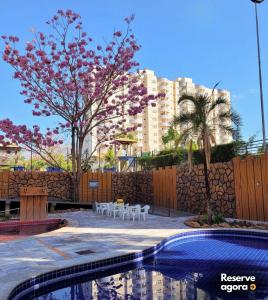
x=165, y=109
x=163, y=82
x=165, y=101
x=165, y=124
x=166, y=118
x=164, y=115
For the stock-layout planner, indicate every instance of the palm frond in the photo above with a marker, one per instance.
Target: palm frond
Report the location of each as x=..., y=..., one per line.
x=187, y=97
x=236, y=118
x=187, y=135
x=183, y=119
x=226, y=128
x=214, y=87
x=219, y=101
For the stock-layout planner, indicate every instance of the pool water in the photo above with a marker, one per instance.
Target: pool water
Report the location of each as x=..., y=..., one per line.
x=187, y=269
x=13, y=230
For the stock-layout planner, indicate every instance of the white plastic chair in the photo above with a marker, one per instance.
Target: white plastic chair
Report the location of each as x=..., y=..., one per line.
x=104, y=208
x=144, y=211
x=110, y=209
x=118, y=208
x=135, y=211
x=124, y=212
x=98, y=207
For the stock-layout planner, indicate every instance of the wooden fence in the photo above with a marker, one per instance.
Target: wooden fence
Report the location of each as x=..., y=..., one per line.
x=95, y=186
x=164, y=187
x=251, y=187
x=4, y=178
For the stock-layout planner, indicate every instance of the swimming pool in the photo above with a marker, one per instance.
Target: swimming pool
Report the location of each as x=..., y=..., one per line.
x=13, y=230
x=192, y=265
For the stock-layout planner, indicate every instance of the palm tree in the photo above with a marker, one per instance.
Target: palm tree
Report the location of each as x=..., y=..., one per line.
x=199, y=125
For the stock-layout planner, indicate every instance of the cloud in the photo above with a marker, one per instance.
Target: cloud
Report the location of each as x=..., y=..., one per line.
x=245, y=94
x=237, y=96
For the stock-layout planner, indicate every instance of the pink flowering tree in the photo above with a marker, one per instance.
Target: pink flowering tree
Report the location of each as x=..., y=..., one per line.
x=90, y=88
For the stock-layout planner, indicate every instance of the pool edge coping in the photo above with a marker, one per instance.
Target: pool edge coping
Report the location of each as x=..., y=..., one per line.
x=130, y=257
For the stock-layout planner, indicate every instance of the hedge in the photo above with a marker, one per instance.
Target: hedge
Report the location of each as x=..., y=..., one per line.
x=219, y=153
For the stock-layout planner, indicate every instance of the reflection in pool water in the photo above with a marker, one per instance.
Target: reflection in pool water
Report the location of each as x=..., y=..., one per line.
x=185, y=270
x=13, y=230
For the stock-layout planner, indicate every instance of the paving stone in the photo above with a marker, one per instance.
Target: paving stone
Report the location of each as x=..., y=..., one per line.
x=107, y=237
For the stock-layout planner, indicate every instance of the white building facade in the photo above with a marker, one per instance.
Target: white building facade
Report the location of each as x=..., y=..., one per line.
x=156, y=120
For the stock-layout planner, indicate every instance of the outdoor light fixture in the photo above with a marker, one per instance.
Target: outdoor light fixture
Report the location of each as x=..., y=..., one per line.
x=260, y=74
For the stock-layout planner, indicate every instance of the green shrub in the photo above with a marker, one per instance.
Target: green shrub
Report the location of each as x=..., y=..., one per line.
x=145, y=162
x=203, y=219
x=219, y=153
x=217, y=218
x=223, y=153
x=164, y=158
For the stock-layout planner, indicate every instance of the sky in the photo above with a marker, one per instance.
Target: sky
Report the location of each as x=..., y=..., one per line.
x=207, y=40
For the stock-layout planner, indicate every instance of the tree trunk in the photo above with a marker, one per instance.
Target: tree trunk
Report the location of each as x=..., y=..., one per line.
x=190, y=156
x=78, y=168
x=74, y=167
x=208, y=195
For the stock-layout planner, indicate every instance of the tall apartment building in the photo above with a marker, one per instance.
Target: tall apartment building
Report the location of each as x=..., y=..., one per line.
x=156, y=120
x=136, y=284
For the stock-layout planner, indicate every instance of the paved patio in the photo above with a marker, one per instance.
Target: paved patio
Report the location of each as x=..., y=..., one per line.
x=104, y=236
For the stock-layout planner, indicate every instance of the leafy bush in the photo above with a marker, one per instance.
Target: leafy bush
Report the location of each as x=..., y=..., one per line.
x=223, y=153
x=144, y=162
x=219, y=153
x=164, y=158
x=217, y=218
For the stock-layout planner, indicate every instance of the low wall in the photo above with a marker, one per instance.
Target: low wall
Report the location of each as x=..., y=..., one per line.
x=58, y=184
x=191, y=190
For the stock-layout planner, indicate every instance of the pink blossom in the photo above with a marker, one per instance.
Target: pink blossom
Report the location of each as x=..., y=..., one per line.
x=118, y=33
x=66, y=78
x=29, y=47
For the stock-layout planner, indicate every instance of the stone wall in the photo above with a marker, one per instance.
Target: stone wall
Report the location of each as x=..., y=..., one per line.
x=145, y=187
x=124, y=186
x=58, y=184
x=191, y=191
x=138, y=187
x=133, y=187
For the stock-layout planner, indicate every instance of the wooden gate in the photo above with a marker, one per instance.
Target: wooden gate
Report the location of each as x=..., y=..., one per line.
x=96, y=186
x=164, y=187
x=251, y=187
x=4, y=177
